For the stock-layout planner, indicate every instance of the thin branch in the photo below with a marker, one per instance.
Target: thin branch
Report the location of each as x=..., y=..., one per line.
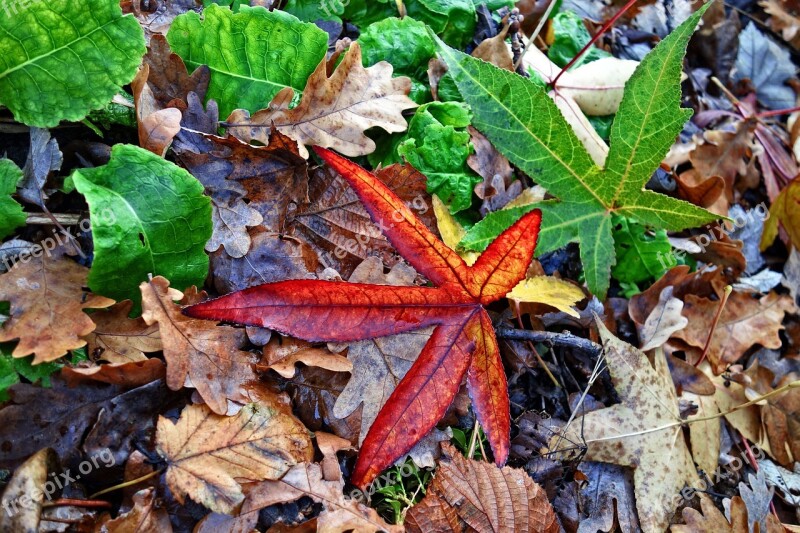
x=566, y=339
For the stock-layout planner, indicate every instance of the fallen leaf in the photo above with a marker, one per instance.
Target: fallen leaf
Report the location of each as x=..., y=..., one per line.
x=607, y=497
x=724, y=154
x=168, y=78
x=494, y=50
x=780, y=415
x=231, y=217
x=60, y=418
x=146, y=515
x=329, y=445
x=711, y=519
x=207, y=354
x=338, y=512
x=643, y=431
x=157, y=126
x=47, y=301
x=783, y=19
x=451, y=231
x=463, y=342
x=334, y=112
x=281, y=354
x=207, y=453
x=485, y=498
x=746, y=320
x=44, y=157
x=783, y=211
x=131, y=374
x=767, y=66
x=23, y=510
x=663, y=321
x=550, y=291
x=119, y=339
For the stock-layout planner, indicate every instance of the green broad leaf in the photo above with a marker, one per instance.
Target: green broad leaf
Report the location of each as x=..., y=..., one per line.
x=570, y=37
x=234, y=5
x=11, y=214
x=641, y=256
x=452, y=20
x=148, y=216
x=520, y=120
x=404, y=43
x=11, y=368
x=438, y=145
x=61, y=59
x=252, y=54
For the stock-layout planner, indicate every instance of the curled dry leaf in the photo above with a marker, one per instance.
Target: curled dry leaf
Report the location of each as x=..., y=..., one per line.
x=208, y=454
x=643, y=431
x=47, y=302
x=484, y=497
x=157, y=125
x=146, y=515
x=22, y=510
x=281, y=354
x=662, y=321
x=169, y=80
x=338, y=512
x=129, y=375
x=334, y=112
x=207, y=354
x=597, y=87
x=119, y=339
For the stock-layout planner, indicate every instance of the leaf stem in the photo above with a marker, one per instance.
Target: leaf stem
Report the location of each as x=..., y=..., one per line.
x=593, y=40
x=778, y=112
x=788, y=386
x=714, y=323
x=136, y=481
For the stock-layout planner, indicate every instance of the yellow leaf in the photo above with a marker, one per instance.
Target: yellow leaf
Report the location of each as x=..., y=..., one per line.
x=451, y=231
x=548, y=290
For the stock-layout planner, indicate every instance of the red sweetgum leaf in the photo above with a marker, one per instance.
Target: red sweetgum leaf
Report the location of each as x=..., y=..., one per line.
x=462, y=342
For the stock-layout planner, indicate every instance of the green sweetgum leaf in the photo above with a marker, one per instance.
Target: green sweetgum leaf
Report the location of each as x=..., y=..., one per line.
x=11, y=214
x=148, y=216
x=60, y=60
x=252, y=54
x=524, y=124
x=438, y=145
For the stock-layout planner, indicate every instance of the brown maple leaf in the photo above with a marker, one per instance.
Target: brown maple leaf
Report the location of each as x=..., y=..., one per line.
x=208, y=455
x=462, y=343
x=47, y=299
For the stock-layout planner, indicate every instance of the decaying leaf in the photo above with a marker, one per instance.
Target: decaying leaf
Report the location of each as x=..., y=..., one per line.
x=281, y=354
x=643, y=431
x=208, y=455
x=735, y=519
x=157, y=125
x=783, y=212
x=746, y=320
x=119, y=339
x=22, y=508
x=662, y=321
x=484, y=497
x=146, y=515
x=338, y=514
x=231, y=217
x=131, y=374
x=202, y=352
x=47, y=301
x=334, y=112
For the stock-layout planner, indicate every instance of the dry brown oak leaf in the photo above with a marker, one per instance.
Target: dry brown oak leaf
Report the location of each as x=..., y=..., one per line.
x=146, y=515
x=468, y=495
x=120, y=339
x=47, y=299
x=334, y=112
x=207, y=354
x=643, y=431
x=208, y=455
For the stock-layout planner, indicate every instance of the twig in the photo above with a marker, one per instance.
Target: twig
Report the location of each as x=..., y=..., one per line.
x=145, y=477
x=565, y=339
x=714, y=323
